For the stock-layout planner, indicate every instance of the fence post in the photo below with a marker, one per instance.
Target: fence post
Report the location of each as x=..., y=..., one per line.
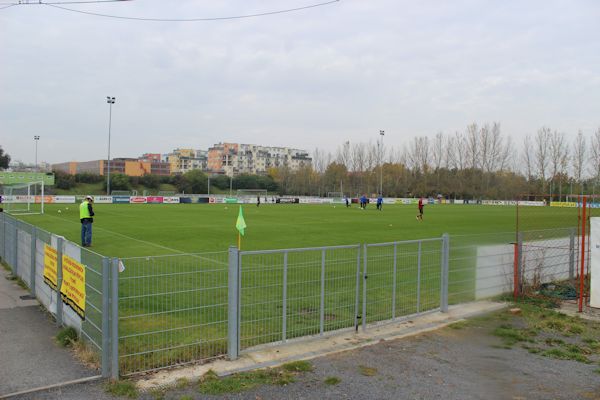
x=114, y=326
x=33, y=259
x=445, y=258
x=15, y=268
x=395, y=274
x=105, y=317
x=520, y=272
x=364, y=308
x=419, y=277
x=357, y=293
x=2, y=256
x=572, y=253
x=59, y=278
x=284, y=310
x=233, y=304
x=322, y=306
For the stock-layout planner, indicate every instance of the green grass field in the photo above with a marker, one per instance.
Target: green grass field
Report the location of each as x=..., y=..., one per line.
x=173, y=309
x=155, y=229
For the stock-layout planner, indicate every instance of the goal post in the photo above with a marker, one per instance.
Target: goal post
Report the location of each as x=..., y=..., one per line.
x=24, y=198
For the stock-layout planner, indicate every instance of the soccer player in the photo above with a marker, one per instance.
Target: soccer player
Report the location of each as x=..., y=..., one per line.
x=257, y=201
x=380, y=203
x=420, y=215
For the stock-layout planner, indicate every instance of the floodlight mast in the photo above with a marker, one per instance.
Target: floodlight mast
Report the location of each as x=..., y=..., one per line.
x=110, y=101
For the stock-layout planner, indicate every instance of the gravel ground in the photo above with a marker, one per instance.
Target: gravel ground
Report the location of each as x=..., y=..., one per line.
x=467, y=363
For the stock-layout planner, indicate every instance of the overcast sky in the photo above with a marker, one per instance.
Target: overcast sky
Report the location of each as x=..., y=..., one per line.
x=311, y=78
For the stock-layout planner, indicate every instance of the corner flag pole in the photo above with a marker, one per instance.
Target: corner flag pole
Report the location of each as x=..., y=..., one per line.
x=240, y=225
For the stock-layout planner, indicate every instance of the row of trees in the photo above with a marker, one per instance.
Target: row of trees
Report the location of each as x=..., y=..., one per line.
x=478, y=163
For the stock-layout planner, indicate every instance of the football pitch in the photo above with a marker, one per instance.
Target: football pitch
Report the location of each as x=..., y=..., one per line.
x=131, y=230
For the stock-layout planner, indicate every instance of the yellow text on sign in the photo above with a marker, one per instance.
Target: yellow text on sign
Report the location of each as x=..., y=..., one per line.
x=72, y=288
x=50, y=273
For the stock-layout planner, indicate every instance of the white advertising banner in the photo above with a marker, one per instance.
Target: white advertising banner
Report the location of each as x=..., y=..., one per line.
x=103, y=199
x=171, y=200
x=64, y=199
x=595, y=262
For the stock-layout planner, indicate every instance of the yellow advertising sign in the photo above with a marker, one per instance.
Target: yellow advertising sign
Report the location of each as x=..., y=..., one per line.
x=50, y=274
x=72, y=289
x=563, y=204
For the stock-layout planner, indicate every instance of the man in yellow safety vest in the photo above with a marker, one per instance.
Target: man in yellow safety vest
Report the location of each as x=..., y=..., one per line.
x=86, y=212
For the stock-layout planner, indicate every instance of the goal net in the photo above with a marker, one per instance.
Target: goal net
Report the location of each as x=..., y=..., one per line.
x=123, y=193
x=24, y=198
x=250, y=195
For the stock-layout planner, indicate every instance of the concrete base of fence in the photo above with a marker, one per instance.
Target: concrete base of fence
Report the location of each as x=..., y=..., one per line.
x=269, y=356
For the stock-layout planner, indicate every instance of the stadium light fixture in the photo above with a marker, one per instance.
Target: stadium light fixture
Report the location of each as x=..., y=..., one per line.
x=110, y=101
x=381, y=133
x=36, y=138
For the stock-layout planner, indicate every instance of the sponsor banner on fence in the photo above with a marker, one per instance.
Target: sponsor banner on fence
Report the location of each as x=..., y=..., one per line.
x=563, y=204
x=230, y=200
x=72, y=289
x=64, y=199
x=103, y=199
x=458, y=201
x=47, y=199
x=171, y=200
x=288, y=200
x=120, y=199
x=154, y=199
x=137, y=200
x=50, y=269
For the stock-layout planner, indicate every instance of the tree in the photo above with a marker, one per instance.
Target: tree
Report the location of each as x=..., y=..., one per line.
x=579, y=156
x=595, y=155
x=4, y=159
x=194, y=181
x=542, y=145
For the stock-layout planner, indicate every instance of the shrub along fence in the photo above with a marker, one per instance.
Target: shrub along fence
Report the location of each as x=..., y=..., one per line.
x=146, y=313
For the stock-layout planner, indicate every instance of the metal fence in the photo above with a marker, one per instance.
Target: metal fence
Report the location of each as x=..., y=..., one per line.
x=172, y=310
x=146, y=313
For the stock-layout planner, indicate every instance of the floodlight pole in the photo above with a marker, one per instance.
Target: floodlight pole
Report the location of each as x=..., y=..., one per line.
x=36, y=138
x=110, y=101
x=381, y=133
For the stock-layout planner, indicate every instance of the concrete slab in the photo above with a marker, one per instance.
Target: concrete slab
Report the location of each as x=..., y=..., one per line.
x=11, y=292
x=305, y=349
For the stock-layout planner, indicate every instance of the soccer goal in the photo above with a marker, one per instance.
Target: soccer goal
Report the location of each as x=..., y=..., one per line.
x=123, y=193
x=24, y=198
x=250, y=195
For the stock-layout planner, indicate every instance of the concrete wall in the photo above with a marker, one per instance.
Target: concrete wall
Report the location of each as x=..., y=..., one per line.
x=543, y=262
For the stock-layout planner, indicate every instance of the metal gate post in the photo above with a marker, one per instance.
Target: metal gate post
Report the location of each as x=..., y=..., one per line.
x=444, y=280
x=419, y=278
x=322, y=307
x=364, y=310
x=357, y=293
x=233, y=304
x=114, y=314
x=33, y=259
x=572, y=253
x=105, y=317
x=15, y=266
x=520, y=270
x=395, y=278
x=59, y=278
x=284, y=300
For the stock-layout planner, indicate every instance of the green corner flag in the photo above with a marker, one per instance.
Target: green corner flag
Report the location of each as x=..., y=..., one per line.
x=240, y=223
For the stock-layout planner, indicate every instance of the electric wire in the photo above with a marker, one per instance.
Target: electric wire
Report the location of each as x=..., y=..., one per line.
x=193, y=19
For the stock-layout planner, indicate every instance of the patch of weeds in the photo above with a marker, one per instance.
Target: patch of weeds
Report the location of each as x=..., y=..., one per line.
x=332, y=380
x=511, y=335
x=593, y=344
x=554, y=342
x=67, y=336
x=298, y=366
x=212, y=384
x=186, y=397
x=562, y=354
x=554, y=325
x=532, y=350
x=575, y=329
x=573, y=348
x=182, y=383
x=367, y=371
x=86, y=354
x=597, y=370
x=459, y=325
x=122, y=388
x=158, y=394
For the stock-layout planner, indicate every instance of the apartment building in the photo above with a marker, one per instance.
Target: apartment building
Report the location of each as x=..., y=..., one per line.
x=184, y=160
x=234, y=158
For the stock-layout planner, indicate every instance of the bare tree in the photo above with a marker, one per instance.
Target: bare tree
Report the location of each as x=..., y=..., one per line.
x=437, y=150
x=528, y=157
x=472, y=146
x=419, y=153
x=343, y=155
x=358, y=158
x=557, y=153
x=595, y=155
x=579, y=156
x=542, y=150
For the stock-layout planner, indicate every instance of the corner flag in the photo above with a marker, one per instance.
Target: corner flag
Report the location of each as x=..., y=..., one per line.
x=240, y=223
